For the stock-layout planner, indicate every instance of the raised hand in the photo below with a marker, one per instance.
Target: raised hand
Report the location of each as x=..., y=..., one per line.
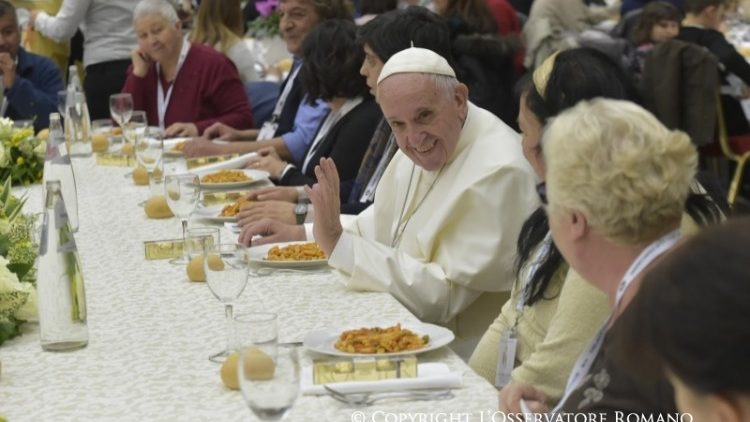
x=324, y=196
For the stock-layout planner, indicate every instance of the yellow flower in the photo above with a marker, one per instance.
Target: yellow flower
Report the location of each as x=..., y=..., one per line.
x=20, y=161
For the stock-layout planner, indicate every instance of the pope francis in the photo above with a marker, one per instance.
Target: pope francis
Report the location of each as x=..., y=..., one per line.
x=440, y=236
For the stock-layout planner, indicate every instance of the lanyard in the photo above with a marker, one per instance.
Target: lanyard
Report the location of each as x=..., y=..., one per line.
x=583, y=365
x=369, y=193
x=162, y=101
x=284, y=94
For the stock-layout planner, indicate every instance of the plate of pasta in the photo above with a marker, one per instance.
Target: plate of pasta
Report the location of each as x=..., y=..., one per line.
x=381, y=340
x=288, y=255
x=231, y=178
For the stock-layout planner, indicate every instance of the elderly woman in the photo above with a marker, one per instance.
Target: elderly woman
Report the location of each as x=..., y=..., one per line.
x=616, y=184
x=330, y=71
x=691, y=322
x=183, y=87
x=552, y=312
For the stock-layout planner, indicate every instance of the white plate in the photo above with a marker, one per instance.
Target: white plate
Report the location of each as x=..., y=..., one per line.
x=254, y=175
x=259, y=253
x=324, y=341
x=212, y=214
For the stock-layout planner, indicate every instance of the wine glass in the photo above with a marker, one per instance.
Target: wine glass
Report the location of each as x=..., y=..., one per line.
x=121, y=108
x=149, y=150
x=182, y=192
x=226, y=267
x=268, y=394
x=137, y=126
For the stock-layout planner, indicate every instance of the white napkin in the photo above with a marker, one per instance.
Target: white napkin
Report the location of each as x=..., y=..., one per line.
x=234, y=163
x=430, y=375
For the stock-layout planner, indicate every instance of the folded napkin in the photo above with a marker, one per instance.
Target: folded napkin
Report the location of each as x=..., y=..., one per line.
x=432, y=375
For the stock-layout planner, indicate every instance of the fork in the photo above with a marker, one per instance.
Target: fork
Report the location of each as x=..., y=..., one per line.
x=367, y=399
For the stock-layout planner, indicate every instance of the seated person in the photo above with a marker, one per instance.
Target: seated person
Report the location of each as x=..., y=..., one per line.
x=440, y=235
x=616, y=185
x=183, y=87
x=552, y=310
x=331, y=74
x=380, y=38
x=218, y=24
x=690, y=322
x=701, y=26
x=294, y=120
x=659, y=22
x=31, y=81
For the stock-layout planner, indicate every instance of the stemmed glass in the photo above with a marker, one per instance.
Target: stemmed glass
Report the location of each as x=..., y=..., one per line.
x=135, y=128
x=226, y=266
x=268, y=394
x=121, y=108
x=149, y=150
x=182, y=192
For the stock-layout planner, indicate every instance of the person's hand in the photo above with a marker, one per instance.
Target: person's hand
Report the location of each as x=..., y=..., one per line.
x=141, y=62
x=276, y=193
x=181, y=129
x=269, y=162
x=282, y=212
x=220, y=131
x=32, y=17
x=510, y=396
x=272, y=232
x=324, y=196
x=8, y=69
x=200, y=147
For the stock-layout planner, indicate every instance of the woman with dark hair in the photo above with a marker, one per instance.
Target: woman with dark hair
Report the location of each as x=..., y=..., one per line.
x=690, y=321
x=331, y=74
x=552, y=312
x=659, y=22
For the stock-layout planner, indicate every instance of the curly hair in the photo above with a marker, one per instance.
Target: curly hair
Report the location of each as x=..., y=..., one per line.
x=618, y=165
x=331, y=60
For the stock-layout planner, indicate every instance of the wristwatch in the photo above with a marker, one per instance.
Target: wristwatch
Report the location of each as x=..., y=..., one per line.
x=300, y=212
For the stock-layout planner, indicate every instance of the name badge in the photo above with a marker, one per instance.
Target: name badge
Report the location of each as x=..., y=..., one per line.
x=506, y=358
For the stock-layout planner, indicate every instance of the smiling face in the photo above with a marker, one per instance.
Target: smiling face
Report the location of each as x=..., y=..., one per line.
x=157, y=37
x=425, y=119
x=10, y=36
x=531, y=137
x=371, y=67
x=298, y=18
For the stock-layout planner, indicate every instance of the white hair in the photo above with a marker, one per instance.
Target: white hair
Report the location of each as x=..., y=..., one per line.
x=163, y=8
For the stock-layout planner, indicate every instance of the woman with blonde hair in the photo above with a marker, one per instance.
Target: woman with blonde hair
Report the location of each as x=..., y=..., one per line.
x=616, y=184
x=219, y=25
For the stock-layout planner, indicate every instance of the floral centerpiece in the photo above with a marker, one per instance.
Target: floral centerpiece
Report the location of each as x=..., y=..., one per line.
x=18, y=300
x=21, y=154
x=267, y=24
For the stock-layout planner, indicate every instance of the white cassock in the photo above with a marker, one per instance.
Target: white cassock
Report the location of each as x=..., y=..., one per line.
x=454, y=260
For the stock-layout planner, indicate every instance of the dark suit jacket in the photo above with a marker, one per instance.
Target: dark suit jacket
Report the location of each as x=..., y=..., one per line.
x=345, y=143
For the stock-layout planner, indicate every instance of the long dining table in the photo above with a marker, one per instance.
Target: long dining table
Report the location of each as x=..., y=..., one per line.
x=151, y=330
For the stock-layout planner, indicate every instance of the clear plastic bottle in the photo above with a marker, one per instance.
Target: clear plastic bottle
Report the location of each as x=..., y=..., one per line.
x=78, y=125
x=62, y=297
x=57, y=166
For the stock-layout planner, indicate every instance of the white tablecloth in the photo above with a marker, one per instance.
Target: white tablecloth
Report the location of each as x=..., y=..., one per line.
x=151, y=331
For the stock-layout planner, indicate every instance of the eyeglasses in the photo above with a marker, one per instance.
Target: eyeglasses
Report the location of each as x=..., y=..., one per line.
x=541, y=190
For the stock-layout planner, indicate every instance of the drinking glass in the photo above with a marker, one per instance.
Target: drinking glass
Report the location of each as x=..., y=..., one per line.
x=156, y=180
x=121, y=108
x=182, y=192
x=198, y=238
x=226, y=267
x=149, y=150
x=269, y=396
x=78, y=126
x=137, y=126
